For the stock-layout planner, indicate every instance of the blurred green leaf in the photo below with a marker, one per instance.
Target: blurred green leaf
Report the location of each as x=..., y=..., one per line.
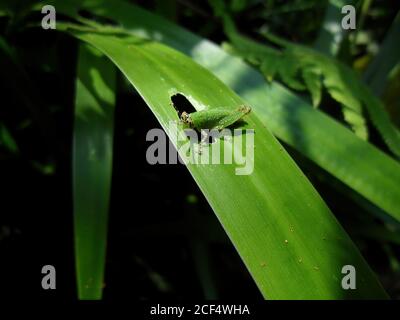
x=92, y=167
x=312, y=80
x=7, y=140
x=331, y=32
x=339, y=80
x=377, y=73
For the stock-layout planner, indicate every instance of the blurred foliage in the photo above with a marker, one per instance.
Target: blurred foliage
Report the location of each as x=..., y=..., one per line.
x=92, y=167
x=6, y=139
x=302, y=68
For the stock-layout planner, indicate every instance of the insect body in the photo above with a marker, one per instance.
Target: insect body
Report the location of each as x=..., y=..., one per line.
x=218, y=118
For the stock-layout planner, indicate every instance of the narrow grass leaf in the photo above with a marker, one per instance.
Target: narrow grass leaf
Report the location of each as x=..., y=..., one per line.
x=92, y=167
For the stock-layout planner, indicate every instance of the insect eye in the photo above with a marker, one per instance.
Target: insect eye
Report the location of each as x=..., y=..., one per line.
x=184, y=116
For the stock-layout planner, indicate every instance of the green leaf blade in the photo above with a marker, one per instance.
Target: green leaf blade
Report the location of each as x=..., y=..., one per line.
x=92, y=168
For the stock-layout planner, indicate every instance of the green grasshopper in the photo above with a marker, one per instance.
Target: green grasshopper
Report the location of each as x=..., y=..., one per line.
x=214, y=119
x=218, y=118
